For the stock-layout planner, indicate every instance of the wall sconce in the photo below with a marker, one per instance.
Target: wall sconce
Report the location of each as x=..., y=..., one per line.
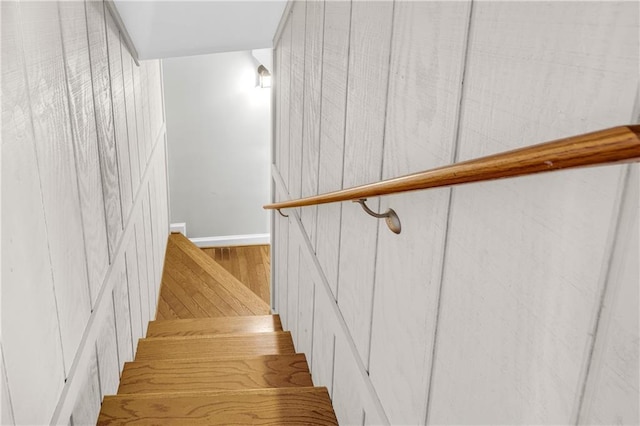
x=264, y=76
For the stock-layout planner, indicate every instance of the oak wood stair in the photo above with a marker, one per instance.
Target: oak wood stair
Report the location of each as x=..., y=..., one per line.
x=214, y=356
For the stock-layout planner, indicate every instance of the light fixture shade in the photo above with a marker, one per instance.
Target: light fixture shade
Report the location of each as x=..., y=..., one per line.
x=265, y=77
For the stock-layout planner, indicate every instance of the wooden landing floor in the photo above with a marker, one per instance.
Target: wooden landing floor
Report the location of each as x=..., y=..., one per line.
x=196, y=286
x=251, y=265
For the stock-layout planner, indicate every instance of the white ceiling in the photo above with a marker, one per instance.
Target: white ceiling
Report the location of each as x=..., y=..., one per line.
x=165, y=29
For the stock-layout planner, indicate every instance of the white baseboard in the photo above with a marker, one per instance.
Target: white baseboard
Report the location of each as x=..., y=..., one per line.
x=232, y=240
x=179, y=227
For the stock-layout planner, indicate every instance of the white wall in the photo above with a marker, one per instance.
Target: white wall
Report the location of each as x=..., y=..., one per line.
x=506, y=302
x=218, y=130
x=85, y=218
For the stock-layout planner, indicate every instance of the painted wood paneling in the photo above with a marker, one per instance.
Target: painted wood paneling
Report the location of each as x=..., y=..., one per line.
x=107, y=351
x=148, y=239
x=306, y=301
x=276, y=95
x=137, y=305
x=284, y=76
x=87, y=407
x=47, y=92
x=34, y=366
x=282, y=236
x=612, y=390
x=145, y=113
x=421, y=122
x=121, y=132
x=62, y=297
x=104, y=119
x=351, y=402
x=346, y=397
x=296, y=98
x=324, y=343
x=490, y=295
x=335, y=66
x=371, y=24
x=85, y=141
x=122, y=311
x=143, y=272
x=132, y=127
x=143, y=136
x=155, y=230
x=525, y=257
x=312, y=110
x=59, y=164
x=293, y=285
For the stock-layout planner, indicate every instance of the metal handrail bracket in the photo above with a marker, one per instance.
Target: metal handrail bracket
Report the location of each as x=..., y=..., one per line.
x=390, y=216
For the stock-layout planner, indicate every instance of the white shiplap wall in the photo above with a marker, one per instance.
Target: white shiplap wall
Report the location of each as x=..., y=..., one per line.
x=519, y=294
x=84, y=208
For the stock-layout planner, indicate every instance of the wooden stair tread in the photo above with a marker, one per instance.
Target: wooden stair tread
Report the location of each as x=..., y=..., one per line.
x=184, y=347
x=214, y=326
x=279, y=406
x=180, y=249
x=268, y=371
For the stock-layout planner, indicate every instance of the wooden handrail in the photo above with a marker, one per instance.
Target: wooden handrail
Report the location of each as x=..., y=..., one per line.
x=615, y=145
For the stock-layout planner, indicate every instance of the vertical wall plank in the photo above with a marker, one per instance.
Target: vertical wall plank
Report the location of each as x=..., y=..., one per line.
x=351, y=401
x=140, y=118
x=306, y=301
x=276, y=119
x=87, y=407
x=130, y=106
x=107, y=350
x=311, y=110
x=274, y=290
x=122, y=311
x=371, y=24
x=104, y=119
x=35, y=366
x=85, y=141
x=162, y=211
x=296, y=97
x=324, y=342
x=156, y=231
x=277, y=100
x=136, y=303
x=611, y=395
x=293, y=285
x=282, y=272
x=42, y=43
x=119, y=115
x=145, y=292
x=148, y=238
x=347, y=401
x=429, y=43
x=335, y=66
x=285, y=90
x=144, y=112
x=525, y=257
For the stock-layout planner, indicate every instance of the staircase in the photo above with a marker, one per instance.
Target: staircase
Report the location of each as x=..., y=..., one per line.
x=217, y=357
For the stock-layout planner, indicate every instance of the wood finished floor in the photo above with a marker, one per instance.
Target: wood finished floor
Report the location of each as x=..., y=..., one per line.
x=251, y=265
x=196, y=286
x=214, y=355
